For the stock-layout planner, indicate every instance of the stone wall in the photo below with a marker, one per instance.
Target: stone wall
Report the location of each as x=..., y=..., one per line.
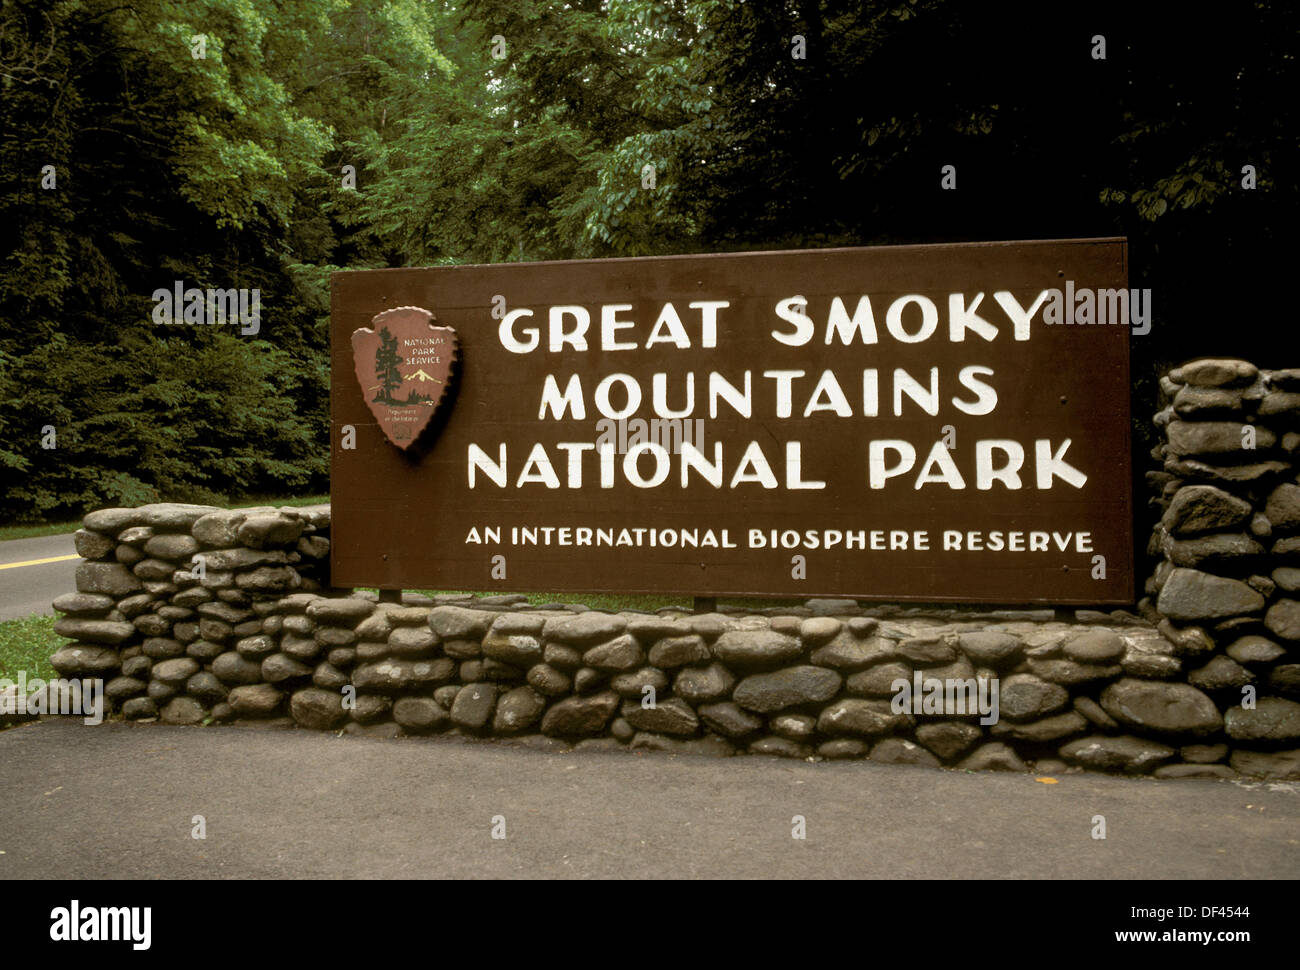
x=256, y=634
x=179, y=583
x=1225, y=583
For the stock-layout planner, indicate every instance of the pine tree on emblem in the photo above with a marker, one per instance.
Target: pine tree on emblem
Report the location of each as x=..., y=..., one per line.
x=386, y=363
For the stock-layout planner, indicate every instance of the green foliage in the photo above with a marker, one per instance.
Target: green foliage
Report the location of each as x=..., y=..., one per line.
x=315, y=135
x=218, y=171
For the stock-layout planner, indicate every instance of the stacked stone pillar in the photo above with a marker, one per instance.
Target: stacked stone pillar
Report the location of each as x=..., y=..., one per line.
x=168, y=592
x=1225, y=587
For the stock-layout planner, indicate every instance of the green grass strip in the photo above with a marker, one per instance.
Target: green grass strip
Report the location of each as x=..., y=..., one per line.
x=26, y=645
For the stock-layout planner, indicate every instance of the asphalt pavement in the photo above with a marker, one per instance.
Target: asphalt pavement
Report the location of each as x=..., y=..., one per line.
x=119, y=800
x=28, y=585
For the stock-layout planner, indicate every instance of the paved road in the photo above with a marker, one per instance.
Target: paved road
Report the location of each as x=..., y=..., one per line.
x=28, y=589
x=118, y=800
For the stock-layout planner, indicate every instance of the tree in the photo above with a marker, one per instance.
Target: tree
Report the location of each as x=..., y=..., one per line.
x=386, y=363
x=311, y=136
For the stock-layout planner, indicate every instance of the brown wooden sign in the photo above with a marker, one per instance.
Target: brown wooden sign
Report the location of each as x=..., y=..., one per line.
x=931, y=423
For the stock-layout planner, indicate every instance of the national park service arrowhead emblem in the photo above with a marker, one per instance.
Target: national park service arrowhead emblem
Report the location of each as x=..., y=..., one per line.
x=405, y=366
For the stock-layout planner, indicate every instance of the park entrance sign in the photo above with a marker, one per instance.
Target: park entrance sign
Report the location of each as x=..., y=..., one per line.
x=929, y=423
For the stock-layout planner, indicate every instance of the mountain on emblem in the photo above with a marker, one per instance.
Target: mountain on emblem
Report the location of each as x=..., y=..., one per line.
x=405, y=367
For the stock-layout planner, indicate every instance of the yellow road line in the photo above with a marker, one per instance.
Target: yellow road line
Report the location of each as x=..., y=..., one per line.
x=37, y=562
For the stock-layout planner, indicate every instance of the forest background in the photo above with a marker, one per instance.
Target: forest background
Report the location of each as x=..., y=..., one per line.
x=268, y=143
